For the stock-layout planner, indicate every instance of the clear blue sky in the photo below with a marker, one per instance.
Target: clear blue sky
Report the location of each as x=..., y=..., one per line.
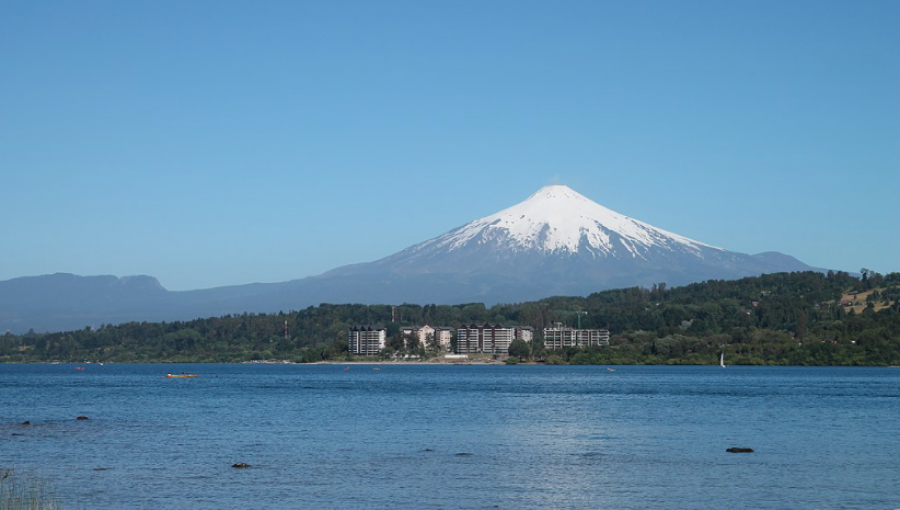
x=211, y=143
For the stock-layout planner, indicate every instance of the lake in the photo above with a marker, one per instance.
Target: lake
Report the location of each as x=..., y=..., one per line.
x=448, y=437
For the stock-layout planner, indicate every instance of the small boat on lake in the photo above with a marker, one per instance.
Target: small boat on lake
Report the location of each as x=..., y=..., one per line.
x=181, y=376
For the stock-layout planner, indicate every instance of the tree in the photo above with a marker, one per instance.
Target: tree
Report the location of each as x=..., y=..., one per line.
x=411, y=341
x=431, y=343
x=395, y=342
x=519, y=349
x=801, y=325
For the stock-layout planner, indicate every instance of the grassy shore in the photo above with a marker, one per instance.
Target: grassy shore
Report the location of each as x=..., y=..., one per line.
x=23, y=493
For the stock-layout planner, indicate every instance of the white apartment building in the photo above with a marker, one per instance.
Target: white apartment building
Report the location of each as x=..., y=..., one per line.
x=484, y=338
x=441, y=335
x=422, y=333
x=525, y=333
x=367, y=340
x=559, y=337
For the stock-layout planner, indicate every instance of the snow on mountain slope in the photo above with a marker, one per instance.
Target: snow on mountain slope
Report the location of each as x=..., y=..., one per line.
x=559, y=219
x=561, y=242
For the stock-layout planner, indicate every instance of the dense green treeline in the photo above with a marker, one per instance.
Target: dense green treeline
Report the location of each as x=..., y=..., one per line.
x=804, y=318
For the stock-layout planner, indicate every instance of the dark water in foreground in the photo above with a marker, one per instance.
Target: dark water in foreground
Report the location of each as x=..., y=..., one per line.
x=479, y=437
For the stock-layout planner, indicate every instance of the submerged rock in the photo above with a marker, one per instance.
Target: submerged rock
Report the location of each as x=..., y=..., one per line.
x=240, y=465
x=26, y=423
x=739, y=450
x=82, y=418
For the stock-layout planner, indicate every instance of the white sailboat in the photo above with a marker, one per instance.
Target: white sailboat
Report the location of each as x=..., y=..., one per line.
x=722, y=360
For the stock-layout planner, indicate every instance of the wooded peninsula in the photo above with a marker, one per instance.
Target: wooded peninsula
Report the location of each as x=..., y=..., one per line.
x=805, y=318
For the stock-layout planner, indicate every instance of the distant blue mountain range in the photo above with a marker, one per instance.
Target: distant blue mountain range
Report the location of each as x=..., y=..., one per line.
x=557, y=242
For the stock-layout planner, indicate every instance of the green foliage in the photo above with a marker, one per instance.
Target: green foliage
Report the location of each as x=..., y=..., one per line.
x=519, y=349
x=553, y=359
x=785, y=318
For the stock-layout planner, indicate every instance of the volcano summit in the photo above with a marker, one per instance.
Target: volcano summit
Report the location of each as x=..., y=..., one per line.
x=560, y=242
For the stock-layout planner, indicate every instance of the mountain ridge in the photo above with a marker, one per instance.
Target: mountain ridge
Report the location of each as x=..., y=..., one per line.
x=556, y=242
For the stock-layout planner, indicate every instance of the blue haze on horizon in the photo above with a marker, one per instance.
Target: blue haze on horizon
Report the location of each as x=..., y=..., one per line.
x=213, y=143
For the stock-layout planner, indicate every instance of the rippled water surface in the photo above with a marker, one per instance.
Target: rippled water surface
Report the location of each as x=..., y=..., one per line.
x=473, y=437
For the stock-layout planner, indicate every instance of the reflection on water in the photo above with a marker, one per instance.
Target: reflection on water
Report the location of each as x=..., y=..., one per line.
x=455, y=437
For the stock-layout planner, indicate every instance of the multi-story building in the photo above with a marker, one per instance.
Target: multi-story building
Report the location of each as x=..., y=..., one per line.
x=440, y=334
x=525, y=333
x=443, y=335
x=559, y=337
x=422, y=333
x=367, y=340
x=484, y=338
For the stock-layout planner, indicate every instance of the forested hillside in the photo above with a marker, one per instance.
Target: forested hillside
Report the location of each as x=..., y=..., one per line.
x=806, y=318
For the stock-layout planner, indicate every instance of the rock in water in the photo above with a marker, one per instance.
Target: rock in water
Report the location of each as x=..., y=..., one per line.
x=739, y=450
x=82, y=418
x=240, y=465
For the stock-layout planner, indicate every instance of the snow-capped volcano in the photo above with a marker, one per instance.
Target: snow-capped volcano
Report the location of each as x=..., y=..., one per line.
x=555, y=242
x=559, y=219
